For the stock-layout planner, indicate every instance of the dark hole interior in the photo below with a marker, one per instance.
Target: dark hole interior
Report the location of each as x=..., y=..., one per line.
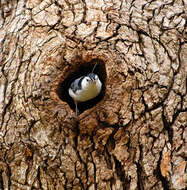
x=83, y=68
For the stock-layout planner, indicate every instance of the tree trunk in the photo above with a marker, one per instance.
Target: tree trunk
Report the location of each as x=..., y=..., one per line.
x=133, y=135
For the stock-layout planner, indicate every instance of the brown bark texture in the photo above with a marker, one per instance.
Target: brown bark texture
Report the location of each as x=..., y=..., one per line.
x=133, y=136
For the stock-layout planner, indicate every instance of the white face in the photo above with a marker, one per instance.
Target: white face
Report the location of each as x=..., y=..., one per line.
x=87, y=81
x=96, y=77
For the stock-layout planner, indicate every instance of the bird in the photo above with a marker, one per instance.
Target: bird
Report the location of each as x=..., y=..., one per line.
x=85, y=88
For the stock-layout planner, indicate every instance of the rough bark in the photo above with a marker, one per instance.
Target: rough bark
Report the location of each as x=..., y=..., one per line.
x=134, y=135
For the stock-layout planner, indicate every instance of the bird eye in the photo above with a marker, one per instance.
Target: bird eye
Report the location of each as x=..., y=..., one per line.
x=87, y=80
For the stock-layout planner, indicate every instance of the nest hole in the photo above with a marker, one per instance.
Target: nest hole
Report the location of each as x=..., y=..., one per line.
x=82, y=69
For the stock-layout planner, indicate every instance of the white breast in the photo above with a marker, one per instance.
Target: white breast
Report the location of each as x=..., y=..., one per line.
x=88, y=93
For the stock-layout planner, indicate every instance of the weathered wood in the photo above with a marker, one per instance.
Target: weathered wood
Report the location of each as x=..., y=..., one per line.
x=134, y=135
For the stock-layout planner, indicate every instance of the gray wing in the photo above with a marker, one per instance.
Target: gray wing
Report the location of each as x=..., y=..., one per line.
x=76, y=85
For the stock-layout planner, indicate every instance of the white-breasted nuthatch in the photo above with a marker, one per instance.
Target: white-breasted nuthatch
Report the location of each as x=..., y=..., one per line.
x=85, y=88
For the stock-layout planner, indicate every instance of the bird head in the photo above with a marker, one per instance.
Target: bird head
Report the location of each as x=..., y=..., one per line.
x=90, y=79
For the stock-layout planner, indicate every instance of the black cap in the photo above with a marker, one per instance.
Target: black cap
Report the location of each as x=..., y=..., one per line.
x=92, y=76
